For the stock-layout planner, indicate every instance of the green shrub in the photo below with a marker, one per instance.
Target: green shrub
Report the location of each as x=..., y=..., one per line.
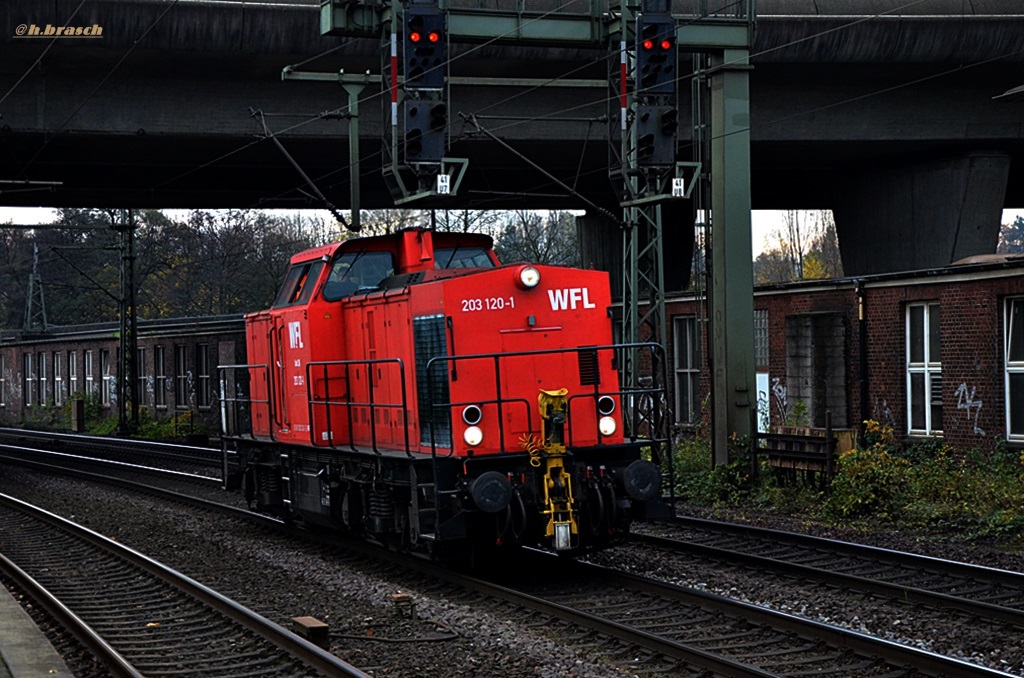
x=869, y=482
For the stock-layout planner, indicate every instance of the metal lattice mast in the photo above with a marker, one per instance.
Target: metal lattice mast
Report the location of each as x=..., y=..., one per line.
x=35, y=304
x=127, y=382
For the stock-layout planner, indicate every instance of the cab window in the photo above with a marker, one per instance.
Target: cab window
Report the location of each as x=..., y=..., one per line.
x=298, y=284
x=462, y=257
x=357, y=272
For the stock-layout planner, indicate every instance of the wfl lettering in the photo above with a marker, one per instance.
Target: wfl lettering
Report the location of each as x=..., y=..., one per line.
x=570, y=298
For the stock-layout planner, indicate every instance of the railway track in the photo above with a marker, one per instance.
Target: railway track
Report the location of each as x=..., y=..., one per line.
x=141, y=617
x=166, y=455
x=986, y=593
x=649, y=626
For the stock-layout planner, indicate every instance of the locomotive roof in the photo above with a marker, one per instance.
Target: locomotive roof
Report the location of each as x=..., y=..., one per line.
x=395, y=242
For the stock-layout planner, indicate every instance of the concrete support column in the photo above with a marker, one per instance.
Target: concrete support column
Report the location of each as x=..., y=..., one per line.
x=922, y=216
x=732, y=287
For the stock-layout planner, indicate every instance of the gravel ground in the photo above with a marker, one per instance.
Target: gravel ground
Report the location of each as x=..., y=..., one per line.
x=956, y=635
x=284, y=578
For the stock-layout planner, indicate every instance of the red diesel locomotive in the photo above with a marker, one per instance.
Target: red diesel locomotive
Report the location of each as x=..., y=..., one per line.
x=409, y=389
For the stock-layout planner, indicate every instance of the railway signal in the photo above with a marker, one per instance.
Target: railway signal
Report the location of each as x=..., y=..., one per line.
x=425, y=48
x=656, y=56
x=426, y=128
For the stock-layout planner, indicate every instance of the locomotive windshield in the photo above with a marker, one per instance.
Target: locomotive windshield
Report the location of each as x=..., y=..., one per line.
x=462, y=257
x=357, y=272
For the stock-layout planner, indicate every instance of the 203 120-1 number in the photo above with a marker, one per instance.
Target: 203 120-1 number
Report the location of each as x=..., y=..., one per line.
x=488, y=304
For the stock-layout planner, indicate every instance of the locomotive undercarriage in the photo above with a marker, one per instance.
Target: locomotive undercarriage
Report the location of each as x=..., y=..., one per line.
x=448, y=506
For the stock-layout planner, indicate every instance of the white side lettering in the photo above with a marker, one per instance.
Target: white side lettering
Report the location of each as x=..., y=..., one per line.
x=570, y=298
x=586, y=299
x=295, y=335
x=559, y=299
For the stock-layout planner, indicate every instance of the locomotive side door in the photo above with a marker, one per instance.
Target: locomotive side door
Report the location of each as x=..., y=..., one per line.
x=290, y=347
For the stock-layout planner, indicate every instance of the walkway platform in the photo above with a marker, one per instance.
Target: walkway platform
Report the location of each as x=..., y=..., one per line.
x=24, y=650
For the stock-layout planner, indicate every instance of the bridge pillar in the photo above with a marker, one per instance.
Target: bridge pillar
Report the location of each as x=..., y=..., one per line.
x=922, y=216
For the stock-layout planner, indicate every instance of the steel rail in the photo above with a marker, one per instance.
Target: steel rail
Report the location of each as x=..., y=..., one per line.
x=895, y=591
x=897, y=654
x=112, y=660
x=298, y=647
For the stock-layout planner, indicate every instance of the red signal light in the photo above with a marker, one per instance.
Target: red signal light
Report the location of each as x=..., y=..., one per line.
x=647, y=44
x=666, y=44
x=434, y=36
x=415, y=36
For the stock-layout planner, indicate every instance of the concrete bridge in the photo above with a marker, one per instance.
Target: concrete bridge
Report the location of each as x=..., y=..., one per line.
x=887, y=112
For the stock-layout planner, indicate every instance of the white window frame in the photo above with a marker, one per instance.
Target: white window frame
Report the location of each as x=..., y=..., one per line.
x=28, y=365
x=90, y=378
x=181, y=393
x=42, y=382
x=686, y=366
x=1011, y=367
x=140, y=376
x=105, y=377
x=160, y=377
x=58, y=379
x=928, y=367
x=72, y=372
x=204, y=391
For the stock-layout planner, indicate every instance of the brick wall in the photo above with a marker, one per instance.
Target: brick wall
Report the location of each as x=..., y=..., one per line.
x=971, y=302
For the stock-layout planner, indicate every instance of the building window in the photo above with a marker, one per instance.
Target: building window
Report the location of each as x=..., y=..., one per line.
x=687, y=369
x=159, y=377
x=3, y=380
x=43, y=385
x=90, y=378
x=203, y=375
x=105, y=376
x=72, y=372
x=28, y=370
x=181, y=377
x=761, y=339
x=58, y=380
x=1014, y=363
x=924, y=370
x=140, y=374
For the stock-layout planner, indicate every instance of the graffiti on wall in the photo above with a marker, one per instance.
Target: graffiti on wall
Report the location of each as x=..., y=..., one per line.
x=779, y=397
x=882, y=414
x=969, y=401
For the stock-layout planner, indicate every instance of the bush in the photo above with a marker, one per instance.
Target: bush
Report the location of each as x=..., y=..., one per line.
x=869, y=482
x=698, y=482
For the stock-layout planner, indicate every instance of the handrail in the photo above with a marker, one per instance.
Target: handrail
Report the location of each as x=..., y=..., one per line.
x=238, y=402
x=348, y=404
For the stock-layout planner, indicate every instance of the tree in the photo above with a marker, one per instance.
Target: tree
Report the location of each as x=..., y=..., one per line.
x=807, y=249
x=539, y=239
x=1011, y=237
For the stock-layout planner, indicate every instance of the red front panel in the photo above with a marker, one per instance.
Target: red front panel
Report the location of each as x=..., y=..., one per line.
x=491, y=314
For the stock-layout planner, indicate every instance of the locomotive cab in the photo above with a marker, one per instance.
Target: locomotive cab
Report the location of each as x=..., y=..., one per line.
x=410, y=389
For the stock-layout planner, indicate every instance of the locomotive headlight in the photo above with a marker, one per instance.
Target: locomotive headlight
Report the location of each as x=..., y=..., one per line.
x=606, y=425
x=472, y=415
x=605, y=405
x=473, y=436
x=527, y=277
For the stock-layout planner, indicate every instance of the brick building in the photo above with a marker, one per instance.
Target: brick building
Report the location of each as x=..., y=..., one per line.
x=933, y=353
x=177, y=367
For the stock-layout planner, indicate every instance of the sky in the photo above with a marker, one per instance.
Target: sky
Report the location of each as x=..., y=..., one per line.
x=763, y=223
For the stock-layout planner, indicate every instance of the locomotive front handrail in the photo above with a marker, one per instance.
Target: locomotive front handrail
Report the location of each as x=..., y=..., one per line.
x=348, y=404
x=658, y=437
x=238, y=402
